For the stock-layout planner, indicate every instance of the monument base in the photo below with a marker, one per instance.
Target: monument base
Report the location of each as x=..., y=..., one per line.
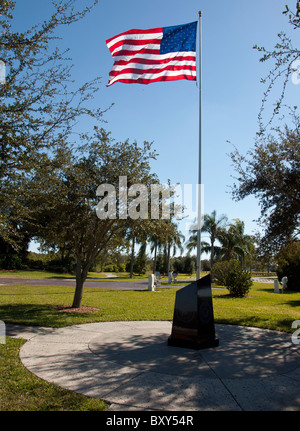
x=193, y=320
x=191, y=344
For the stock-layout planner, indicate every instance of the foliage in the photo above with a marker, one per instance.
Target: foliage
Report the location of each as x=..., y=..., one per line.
x=63, y=197
x=184, y=264
x=231, y=275
x=163, y=237
x=234, y=243
x=270, y=172
x=214, y=227
x=140, y=262
x=114, y=267
x=284, y=56
x=189, y=265
x=288, y=261
x=39, y=104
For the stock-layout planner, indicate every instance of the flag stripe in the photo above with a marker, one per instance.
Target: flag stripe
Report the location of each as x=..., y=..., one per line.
x=142, y=38
x=141, y=67
x=156, y=71
x=135, y=32
x=147, y=78
x=124, y=50
x=138, y=56
x=155, y=58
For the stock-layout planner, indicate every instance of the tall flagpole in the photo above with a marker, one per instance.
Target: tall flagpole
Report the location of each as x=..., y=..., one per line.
x=198, y=266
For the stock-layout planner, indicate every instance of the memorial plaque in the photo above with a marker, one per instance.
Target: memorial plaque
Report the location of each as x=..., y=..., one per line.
x=193, y=320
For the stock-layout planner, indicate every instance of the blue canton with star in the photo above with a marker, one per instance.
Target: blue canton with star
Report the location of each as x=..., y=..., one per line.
x=179, y=38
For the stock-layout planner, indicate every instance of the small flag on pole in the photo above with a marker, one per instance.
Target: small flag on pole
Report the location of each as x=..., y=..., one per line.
x=158, y=54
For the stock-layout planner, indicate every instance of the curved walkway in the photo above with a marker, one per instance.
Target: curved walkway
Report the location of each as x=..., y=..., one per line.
x=130, y=365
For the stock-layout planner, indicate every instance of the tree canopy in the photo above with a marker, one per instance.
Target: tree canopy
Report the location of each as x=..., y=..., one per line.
x=270, y=172
x=63, y=198
x=39, y=102
x=285, y=57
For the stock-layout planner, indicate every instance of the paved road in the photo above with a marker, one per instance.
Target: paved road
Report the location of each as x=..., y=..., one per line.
x=103, y=284
x=133, y=285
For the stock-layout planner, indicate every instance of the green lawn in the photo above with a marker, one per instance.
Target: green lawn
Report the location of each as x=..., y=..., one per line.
x=21, y=390
x=39, y=274
x=37, y=305
x=262, y=308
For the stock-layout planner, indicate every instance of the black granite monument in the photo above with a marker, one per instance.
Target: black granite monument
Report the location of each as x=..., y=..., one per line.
x=193, y=320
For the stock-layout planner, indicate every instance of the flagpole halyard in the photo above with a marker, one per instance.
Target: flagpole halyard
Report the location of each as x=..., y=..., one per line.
x=198, y=264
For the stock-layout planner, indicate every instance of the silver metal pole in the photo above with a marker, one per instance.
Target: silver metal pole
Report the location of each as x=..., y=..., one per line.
x=198, y=266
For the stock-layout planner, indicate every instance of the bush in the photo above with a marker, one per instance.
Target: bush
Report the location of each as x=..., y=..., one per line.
x=231, y=275
x=189, y=265
x=112, y=267
x=288, y=261
x=121, y=267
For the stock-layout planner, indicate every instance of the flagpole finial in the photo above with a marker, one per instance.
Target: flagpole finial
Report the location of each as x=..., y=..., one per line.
x=200, y=13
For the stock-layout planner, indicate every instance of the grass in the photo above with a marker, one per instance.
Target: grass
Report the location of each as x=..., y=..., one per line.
x=262, y=308
x=39, y=274
x=21, y=390
x=37, y=305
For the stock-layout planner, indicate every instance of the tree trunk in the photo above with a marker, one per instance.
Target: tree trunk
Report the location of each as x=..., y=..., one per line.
x=78, y=293
x=80, y=279
x=212, y=253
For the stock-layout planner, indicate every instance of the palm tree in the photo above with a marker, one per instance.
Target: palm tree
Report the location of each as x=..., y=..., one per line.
x=163, y=238
x=213, y=226
x=136, y=234
x=175, y=239
x=234, y=243
x=157, y=238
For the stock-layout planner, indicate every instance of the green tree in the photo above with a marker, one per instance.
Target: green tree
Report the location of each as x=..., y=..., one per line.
x=288, y=261
x=175, y=240
x=140, y=262
x=158, y=238
x=231, y=274
x=137, y=232
x=213, y=226
x=64, y=202
x=270, y=172
x=234, y=243
x=39, y=103
x=188, y=265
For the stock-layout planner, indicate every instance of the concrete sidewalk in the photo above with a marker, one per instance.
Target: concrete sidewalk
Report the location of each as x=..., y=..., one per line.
x=130, y=365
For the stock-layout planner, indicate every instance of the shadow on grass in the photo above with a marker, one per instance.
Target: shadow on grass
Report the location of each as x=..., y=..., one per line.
x=41, y=315
x=293, y=303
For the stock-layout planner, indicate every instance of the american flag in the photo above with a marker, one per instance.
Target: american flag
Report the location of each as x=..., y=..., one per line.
x=157, y=54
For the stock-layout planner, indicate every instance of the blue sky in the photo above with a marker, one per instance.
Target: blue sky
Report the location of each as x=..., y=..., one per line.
x=167, y=113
